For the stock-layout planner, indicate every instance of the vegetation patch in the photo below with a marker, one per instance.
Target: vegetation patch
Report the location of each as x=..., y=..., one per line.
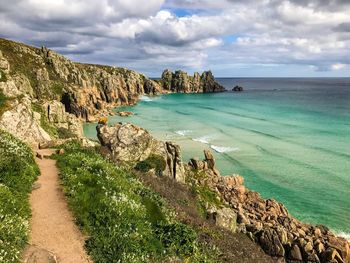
x=18, y=171
x=206, y=196
x=44, y=122
x=4, y=103
x=3, y=77
x=57, y=88
x=64, y=133
x=125, y=221
x=20, y=59
x=154, y=161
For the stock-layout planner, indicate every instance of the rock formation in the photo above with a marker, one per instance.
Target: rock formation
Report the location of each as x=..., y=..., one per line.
x=181, y=82
x=237, y=88
x=269, y=222
x=23, y=122
x=131, y=144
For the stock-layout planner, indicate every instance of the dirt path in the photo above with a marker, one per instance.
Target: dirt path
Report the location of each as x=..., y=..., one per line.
x=52, y=224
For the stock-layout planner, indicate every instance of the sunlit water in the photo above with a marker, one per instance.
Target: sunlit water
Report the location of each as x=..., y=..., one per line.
x=289, y=138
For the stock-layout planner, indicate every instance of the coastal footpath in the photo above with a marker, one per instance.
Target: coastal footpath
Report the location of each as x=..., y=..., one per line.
x=45, y=98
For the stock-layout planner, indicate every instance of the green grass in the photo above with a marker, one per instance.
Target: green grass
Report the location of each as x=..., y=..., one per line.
x=21, y=62
x=18, y=171
x=3, y=103
x=154, y=161
x=57, y=88
x=206, y=196
x=125, y=221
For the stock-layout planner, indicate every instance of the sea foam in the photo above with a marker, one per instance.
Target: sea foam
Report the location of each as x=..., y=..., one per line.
x=203, y=139
x=183, y=132
x=145, y=98
x=343, y=234
x=222, y=149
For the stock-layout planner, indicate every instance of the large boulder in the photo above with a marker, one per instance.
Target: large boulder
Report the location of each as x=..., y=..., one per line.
x=56, y=114
x=224, y=217
x=271, y=243
x=130, y=143
x=22, y=122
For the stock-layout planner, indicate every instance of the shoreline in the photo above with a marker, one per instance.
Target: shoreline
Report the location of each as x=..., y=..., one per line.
x=205, y=142
x=265, y=221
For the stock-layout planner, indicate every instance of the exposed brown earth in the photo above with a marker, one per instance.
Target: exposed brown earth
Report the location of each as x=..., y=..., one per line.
x=54, y=236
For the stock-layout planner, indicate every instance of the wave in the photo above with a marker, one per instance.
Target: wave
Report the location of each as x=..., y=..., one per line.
x=223, y=149
x=145, y=98
x=203, y=139
x=183, y=132
x=343, y=234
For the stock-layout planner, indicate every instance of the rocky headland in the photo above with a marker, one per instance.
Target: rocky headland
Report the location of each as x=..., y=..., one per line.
x=45, y=95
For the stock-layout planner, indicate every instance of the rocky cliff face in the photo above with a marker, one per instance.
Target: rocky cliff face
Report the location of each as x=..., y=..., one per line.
x=27, y=94
x=181, y=82
x=63, y=92
x=267, y=222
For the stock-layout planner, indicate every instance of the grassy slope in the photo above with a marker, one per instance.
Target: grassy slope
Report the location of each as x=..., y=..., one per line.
x=125, y=220
x=18, y=171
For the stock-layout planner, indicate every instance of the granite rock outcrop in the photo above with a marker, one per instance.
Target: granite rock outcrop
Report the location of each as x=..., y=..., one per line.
x=269, y=223
x=180, y=82
x=129, y=143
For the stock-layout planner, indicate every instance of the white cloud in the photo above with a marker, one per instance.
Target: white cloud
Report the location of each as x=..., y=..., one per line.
x=338, y=66
x=150, y=37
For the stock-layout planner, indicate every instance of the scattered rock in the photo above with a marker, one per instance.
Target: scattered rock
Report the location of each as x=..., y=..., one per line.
x=36, y=186
x=295, y=253
x=224, y=217
x=60, y=151
x=53, y=143
x=270, y=243
x=124, y=113
x=237, y=88
x=33, y=254
x=39, y=155
x=332, y=254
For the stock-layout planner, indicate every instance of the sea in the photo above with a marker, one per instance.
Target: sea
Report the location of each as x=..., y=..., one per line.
x=288, y=137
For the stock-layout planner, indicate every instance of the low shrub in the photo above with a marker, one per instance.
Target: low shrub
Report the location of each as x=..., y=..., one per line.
x=64, y=133
x=3, y=103
x=3, y=77
x=125, y=221
x=18, y=171
x=154, y=161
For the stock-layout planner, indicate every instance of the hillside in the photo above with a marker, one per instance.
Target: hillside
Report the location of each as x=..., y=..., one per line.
x=44, y=95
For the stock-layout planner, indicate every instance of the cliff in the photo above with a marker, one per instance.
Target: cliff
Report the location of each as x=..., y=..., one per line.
x=44, y=95
x=233, y=206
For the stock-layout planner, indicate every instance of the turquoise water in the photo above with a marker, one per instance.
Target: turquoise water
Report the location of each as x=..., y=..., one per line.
x=289, y=138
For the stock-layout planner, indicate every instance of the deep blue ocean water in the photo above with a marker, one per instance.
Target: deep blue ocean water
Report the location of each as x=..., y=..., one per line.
x=289, y=138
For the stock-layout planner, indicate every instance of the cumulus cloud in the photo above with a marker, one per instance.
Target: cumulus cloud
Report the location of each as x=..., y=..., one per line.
x=219, y=34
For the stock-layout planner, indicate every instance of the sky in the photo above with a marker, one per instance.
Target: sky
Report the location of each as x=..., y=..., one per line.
x=233, y=38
